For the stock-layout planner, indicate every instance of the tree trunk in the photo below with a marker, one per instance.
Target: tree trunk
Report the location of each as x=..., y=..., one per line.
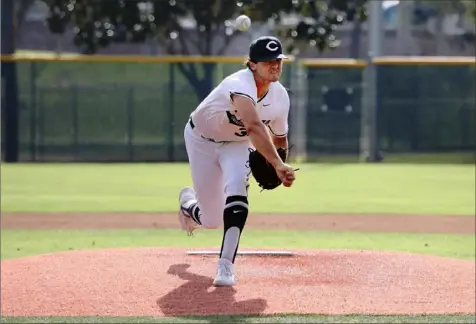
x=206, y=84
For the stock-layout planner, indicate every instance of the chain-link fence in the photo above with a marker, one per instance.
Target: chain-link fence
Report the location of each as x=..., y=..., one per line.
x=135, y=109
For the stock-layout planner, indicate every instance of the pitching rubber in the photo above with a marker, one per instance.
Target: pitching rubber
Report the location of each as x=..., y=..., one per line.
x=244, y=253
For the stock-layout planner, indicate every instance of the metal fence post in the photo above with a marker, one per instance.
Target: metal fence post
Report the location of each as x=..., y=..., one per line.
x=10, y=118
x=368, y=138
x=40, y=125
x=299, y=110
x=171, y=133
x=130, y=123
x=74, y=119
x=33, y=107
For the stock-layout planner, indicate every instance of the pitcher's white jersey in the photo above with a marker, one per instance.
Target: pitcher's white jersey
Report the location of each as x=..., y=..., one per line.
x=216, y=118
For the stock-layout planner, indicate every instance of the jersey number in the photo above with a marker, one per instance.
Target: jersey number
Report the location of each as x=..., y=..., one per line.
x=241, y=132
x=241, y=127
x=235, y=121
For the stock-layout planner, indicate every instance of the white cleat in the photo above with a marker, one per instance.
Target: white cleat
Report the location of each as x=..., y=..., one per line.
x=225, y=274
x=186, y=197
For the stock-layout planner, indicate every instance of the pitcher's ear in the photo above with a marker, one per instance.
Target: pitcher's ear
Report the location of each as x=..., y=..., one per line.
x=251, y=65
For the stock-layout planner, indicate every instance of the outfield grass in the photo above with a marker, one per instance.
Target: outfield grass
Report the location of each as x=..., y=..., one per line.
x=20, y=243
x=319, y=188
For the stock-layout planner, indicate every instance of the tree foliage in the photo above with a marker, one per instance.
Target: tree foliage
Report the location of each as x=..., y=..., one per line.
x=425, y=9
x=465, y=10
x=98, y=24
x=315, y=24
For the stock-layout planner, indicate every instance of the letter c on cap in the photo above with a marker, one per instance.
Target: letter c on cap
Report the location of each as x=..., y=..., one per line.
x=274, y=48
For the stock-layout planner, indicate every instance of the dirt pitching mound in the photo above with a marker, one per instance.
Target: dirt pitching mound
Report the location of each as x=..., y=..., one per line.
x=168, y=282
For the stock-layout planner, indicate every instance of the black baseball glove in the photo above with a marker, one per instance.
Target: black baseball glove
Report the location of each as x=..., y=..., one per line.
x=263, y=172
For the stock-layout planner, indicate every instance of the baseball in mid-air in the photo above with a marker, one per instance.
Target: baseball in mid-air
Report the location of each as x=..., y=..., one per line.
x=243, y=23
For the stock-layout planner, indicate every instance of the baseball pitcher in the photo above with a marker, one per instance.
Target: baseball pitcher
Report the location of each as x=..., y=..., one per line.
x=239, y=129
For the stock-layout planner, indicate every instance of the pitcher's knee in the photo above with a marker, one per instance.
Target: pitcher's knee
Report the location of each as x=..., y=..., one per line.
x=237, y=186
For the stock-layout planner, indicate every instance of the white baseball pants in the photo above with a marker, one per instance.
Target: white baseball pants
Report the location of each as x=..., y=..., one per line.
x=218, y=170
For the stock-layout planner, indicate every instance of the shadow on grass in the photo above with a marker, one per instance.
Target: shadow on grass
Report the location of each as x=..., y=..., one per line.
x=197, y=296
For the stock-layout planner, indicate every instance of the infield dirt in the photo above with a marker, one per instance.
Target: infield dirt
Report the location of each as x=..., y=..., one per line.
x=168, y=282
x=321, y=222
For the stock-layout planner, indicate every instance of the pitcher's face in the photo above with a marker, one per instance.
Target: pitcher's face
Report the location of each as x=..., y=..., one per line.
x=269, y=71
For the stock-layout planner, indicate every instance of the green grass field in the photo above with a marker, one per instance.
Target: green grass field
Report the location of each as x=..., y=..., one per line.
x=20, y=243
x=326, y=188
x=320, y=188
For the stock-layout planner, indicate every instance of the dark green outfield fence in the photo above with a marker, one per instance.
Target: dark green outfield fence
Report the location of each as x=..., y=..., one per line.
x=423, y=106
x=135, y=108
